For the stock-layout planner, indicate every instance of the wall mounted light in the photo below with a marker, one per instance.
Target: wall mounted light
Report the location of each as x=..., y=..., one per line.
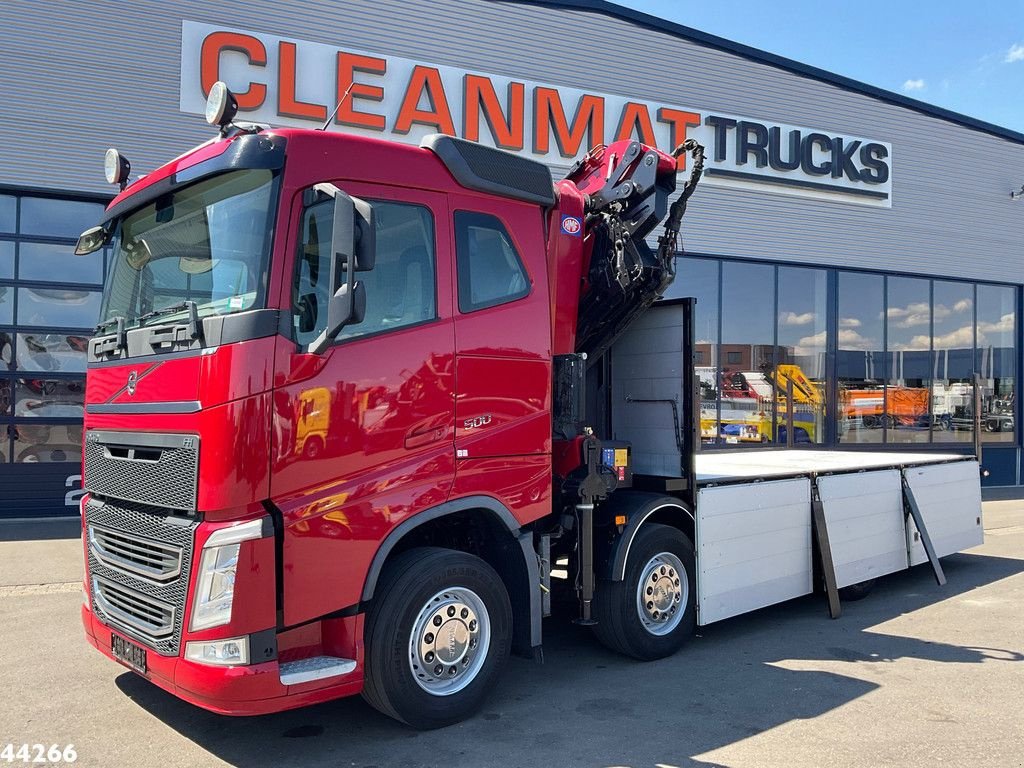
x=1018, y=194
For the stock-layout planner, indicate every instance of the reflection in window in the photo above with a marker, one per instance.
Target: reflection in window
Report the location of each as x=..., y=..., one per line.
x=6, y=305
x=52, y=262
x=6, y=259
x=6, y=351
x=908, y=346
x=50, y=398
x=489, y=268
x=51, y=352
x=57, y=307
x=952, y=397
x=8, y=213
x=47, y=443
x=400, y=289
x=801, y=354
x=699, y=278
x=997, y=361
x=860, y=362
x=748, y=330
x=5, y=405
x=58, y=218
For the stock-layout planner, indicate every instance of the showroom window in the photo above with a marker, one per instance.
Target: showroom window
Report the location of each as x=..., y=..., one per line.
x=860, y=359
x=899, y=353
x=699, y=278
x=799, y=377
x=908, y=320
x=996, y=359
x=49, y=304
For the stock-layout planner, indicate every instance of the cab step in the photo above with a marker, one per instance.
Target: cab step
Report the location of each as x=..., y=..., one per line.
x=315, y=668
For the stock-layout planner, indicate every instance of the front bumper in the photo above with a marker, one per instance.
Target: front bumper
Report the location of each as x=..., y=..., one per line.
x=244, y=690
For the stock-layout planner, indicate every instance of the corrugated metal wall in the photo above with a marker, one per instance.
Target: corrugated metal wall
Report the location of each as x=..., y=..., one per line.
x=77, y=77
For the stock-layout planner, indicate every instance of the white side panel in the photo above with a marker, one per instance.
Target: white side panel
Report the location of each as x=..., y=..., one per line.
x=949, y=497
x=648, y=366
x=865, y=519
x=753, y=546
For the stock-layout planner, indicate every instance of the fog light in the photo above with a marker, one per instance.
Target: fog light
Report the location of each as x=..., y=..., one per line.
x=219, y=653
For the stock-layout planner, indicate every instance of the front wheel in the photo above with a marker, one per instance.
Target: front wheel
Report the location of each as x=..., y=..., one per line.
x=653, y=610
x=437, y=636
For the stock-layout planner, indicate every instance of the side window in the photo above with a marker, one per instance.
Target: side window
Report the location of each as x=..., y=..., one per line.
x=400, y=289
x=490, y=270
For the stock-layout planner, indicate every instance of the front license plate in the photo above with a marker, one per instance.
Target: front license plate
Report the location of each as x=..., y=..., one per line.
x=128, y=653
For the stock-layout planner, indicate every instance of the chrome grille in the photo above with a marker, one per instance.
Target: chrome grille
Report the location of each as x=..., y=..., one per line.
x=151, y=618
x=132, y=602
x=128, y=552
x=146, y=468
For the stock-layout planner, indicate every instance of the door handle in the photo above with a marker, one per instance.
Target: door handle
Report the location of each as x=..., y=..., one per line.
x=420, y=438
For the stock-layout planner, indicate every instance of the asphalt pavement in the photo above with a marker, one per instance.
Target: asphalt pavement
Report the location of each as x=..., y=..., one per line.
x=915, y=675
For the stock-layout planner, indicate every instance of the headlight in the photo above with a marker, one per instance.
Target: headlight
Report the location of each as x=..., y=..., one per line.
x=221, y=653
x=215, y=583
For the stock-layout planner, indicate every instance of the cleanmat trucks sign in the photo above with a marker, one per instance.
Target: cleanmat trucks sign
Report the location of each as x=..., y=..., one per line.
x=283, y=81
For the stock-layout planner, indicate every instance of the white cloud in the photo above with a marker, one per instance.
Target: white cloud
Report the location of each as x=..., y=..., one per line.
x=963, y=305
x=792, y=318
x=963, y=337
x=1016, y=53
x=959, y=339
x=914, y=85
x=848, y=339
x=914, y=314
x=849, y=322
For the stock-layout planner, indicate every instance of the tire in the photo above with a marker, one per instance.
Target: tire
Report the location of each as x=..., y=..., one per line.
x=466, y=597
x=313, y=448
x=630, y=628
x=857, y=591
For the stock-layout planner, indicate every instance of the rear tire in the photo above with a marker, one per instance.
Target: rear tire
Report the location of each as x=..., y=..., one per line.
x=437, y=636
x=652, y=612
x=857, y=591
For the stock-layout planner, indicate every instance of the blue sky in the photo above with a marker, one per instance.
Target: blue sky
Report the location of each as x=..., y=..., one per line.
x=967, y=57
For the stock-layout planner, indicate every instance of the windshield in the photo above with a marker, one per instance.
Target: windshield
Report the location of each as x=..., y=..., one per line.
x=208, y=243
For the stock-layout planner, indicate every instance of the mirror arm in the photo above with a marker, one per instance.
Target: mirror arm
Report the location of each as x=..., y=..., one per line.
x=319, y=344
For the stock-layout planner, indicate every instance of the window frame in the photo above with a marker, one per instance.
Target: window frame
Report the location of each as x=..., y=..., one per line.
x=461, y=224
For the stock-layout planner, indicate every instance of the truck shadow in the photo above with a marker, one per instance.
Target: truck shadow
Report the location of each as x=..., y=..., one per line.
x=587, y=706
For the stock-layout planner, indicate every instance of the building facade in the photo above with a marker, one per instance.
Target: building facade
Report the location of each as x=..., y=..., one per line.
x=850, y=244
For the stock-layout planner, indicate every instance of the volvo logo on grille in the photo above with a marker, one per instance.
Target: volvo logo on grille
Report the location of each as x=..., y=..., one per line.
x=133, y=381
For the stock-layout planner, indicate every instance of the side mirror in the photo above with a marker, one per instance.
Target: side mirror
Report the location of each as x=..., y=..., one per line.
x=91, y=240
x=354, y=249
x=346, y=307
x=354, y=236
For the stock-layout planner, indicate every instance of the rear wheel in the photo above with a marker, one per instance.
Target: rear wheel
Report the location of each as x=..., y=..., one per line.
x=652, y=611
x=857, y=591
x=437, y=636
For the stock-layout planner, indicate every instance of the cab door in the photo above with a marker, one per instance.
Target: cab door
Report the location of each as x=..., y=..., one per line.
x=503, y=353
x=364, y=433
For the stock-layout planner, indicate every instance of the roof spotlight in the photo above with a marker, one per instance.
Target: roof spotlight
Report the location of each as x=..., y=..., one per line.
x=116, y=167
x=221, y=106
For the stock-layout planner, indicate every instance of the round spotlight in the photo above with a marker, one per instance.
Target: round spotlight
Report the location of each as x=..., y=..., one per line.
x=221, y=105
x=116, y=167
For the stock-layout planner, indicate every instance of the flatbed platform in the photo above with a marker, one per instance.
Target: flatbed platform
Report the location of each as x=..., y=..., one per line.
x=714, y=467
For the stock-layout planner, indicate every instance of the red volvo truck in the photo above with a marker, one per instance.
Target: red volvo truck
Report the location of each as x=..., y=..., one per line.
x=336, y=434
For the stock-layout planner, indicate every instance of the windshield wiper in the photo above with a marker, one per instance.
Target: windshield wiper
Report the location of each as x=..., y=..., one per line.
x=194, y=328
x=119, y=340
